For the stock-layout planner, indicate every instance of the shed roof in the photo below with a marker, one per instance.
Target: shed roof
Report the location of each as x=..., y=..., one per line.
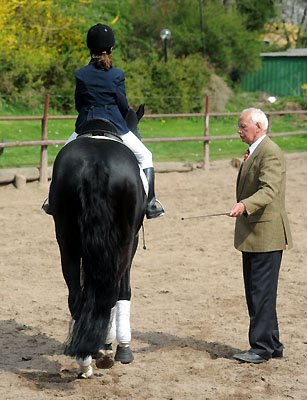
x=288, y=53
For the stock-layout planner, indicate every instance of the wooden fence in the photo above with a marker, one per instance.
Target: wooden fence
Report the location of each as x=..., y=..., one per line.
x=206, y=138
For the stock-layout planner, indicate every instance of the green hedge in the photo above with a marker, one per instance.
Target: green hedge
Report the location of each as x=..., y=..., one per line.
x=172, y=87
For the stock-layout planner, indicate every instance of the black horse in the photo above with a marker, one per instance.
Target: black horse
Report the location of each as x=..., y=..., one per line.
x=98, y=204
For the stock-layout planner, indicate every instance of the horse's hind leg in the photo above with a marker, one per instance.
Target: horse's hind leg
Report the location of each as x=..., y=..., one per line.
x=105, y=356
x=85, y=367
x=71, y=264
x=71, y=260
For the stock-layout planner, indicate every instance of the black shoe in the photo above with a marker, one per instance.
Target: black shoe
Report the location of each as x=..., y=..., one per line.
x=250, y=357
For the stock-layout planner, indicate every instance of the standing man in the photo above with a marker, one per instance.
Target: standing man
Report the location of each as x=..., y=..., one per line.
x=262, y=232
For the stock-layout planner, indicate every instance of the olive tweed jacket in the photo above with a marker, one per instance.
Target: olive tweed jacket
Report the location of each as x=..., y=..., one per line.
x=261, y=188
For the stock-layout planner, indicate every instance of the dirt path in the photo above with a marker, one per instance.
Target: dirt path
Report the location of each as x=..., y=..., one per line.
x=188, y=307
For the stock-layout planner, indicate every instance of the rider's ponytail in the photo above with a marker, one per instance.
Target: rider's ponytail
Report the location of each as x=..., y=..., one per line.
x=102, y=61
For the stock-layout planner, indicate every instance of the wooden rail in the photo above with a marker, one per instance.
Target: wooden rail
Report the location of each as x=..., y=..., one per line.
x=206, y=138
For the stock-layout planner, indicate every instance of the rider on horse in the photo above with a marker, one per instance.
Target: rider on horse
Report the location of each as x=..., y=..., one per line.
x=100, y=93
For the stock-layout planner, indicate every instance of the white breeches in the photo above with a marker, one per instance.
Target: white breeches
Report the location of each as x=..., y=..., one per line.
x=71, y=137
x=142, y=154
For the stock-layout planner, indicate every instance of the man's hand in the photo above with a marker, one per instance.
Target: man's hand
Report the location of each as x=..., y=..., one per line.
x=237, y=210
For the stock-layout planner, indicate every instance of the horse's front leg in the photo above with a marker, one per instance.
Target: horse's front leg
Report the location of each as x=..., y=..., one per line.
x=120, y=314
x=120, y=330
x=123, y=329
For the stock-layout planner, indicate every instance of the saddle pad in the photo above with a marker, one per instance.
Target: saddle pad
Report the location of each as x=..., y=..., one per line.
x=106, y=138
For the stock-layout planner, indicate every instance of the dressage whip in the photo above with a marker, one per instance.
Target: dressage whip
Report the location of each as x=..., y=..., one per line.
x=205, y=216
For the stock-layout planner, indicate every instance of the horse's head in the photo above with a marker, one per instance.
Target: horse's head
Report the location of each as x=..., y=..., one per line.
x=140, y=111
x=133, y=118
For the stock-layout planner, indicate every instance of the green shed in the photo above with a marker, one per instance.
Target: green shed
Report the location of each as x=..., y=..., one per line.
x=283, y=73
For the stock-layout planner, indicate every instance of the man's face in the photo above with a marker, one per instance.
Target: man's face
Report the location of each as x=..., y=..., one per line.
x=248, y=132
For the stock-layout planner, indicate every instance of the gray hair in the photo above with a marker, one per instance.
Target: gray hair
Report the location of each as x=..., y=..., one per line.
x=258, y=115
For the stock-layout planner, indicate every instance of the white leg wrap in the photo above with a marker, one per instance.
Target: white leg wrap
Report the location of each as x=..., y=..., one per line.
x=112, y=327
x=85, y=367
x=84, y=362
x=123, y=332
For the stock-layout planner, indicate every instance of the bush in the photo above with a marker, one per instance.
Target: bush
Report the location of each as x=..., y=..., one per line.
x=172, y=87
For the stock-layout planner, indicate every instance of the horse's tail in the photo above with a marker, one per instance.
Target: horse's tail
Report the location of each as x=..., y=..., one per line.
x=100, y=243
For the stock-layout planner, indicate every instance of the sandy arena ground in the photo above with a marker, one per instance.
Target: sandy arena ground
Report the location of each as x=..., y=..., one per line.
x=188, y=307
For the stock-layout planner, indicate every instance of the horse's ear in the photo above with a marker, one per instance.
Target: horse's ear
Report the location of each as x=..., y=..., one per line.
x=140, y=111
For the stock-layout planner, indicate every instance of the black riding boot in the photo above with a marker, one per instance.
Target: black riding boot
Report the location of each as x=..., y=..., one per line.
x=152, y=210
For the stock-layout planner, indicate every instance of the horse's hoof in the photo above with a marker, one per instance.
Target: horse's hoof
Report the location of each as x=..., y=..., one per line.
x=105, y=358
x=124, y=355
x=85, y=372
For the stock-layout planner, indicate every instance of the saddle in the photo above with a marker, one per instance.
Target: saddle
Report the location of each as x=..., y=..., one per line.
x=102, y=128
x=99, y=127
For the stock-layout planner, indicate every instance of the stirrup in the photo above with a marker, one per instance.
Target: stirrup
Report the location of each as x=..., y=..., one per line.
x=155, y=212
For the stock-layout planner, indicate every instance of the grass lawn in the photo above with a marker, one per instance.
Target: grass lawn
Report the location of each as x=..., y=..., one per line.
x=14, y=131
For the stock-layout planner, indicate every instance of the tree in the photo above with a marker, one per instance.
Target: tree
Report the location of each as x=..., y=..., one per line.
x=46, y=42
x=256, y=13
x=293, y=13
x=229, y=46
x=232, y=49
x=39, y=38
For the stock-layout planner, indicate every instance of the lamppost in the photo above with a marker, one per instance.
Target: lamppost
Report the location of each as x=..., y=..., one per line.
x=165, y=34
x=202, y=26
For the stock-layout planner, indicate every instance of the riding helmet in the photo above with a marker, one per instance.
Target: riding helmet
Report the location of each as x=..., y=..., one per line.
x=100, y=38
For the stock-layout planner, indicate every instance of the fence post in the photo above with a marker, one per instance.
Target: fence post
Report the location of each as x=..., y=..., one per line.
x=206, y=133
x=43, y=171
